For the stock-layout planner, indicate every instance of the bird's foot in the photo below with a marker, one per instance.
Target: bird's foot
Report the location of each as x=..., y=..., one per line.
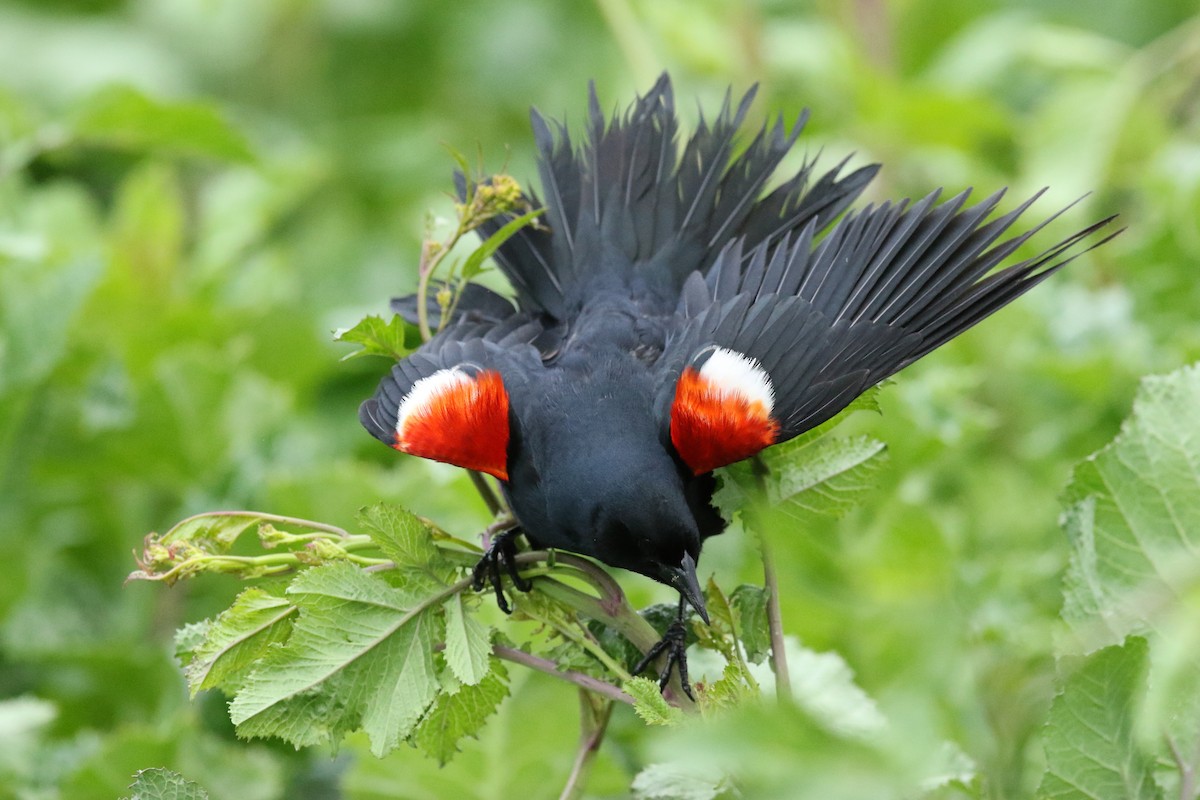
x=500, y=559
x=674, y=645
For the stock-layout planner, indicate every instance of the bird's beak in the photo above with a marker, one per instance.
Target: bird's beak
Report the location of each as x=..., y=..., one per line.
x=684, y=579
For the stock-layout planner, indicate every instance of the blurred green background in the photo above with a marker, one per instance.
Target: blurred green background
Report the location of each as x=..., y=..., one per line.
x=195, y=193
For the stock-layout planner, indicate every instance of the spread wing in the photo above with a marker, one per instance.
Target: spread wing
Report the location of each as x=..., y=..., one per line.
x=814, y=327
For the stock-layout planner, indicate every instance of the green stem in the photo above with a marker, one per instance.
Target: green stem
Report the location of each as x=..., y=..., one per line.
x=593, y=723
x=623, y=620
x=345, y=542
x=455, y=296
x=783, y=680
x=779, y=664
x=1187, y=771
x=585, y=641
x=274, y=564
x=361, y=542
x=250, y=561
x=274, y=518
x=734, y=652
x=425, y=269
x=429, y=263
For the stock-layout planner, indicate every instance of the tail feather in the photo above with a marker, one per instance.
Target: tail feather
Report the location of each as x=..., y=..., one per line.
x=628, y=201
x=704, y=167
x=793, y=204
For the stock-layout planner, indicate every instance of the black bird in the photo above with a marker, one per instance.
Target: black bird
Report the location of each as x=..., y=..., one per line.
x=673, y=316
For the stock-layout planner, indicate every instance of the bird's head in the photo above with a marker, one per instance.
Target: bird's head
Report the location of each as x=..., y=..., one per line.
x=591, y=472
x=647, y=532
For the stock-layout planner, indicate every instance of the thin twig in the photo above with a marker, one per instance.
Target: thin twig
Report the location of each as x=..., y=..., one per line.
x=616, y=613
x=264, y=517
x=1187, y=772
x=428, y=263
x=593, y=723
x=783, y=680
x=493, y=502
x=571, y=676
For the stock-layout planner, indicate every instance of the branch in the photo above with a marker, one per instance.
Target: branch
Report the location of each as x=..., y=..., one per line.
x=783, y=680
x=495, y=505
x=265, y=517
x=547, y=666
x=593, y=723
x=1187, y=772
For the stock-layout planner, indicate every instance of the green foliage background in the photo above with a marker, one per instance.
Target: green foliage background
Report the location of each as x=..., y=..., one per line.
x=194, y=194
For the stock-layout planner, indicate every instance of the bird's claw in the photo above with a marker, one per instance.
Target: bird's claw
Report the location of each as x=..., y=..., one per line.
x=674, y=644
x=500, y=559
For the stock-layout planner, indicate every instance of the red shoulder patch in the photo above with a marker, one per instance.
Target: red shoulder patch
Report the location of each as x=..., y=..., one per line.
x=722, y=412
x=457, y=418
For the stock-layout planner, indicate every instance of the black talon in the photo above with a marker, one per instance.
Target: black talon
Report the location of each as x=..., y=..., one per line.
x=674, y=644
x=510, y=562
x=501, y=555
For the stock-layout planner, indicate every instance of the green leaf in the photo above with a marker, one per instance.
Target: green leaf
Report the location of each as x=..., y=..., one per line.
x=38, y=301
x=474, y=262
x=649, y=704
x=1133, y=516
x=181, y=551
x=1172, y=703
x=212, y=533
x=728, y=691
x=360, y=655
x=867, y=401
x=736, y=488
x=405, y=539
x=460, y=160
x=722, y=636
x=678, y=782
x=721, y=633
x=1091, y=753
x=468, y=643
x=823, y=686
x=824, y=476
x=163, y=784
x=459, y=714
x=123, y=117
x=237, y=639
x=814, y=473
x=393, y=339
x=750, y=605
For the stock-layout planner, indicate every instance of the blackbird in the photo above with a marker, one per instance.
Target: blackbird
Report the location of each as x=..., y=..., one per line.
x=672, y=314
